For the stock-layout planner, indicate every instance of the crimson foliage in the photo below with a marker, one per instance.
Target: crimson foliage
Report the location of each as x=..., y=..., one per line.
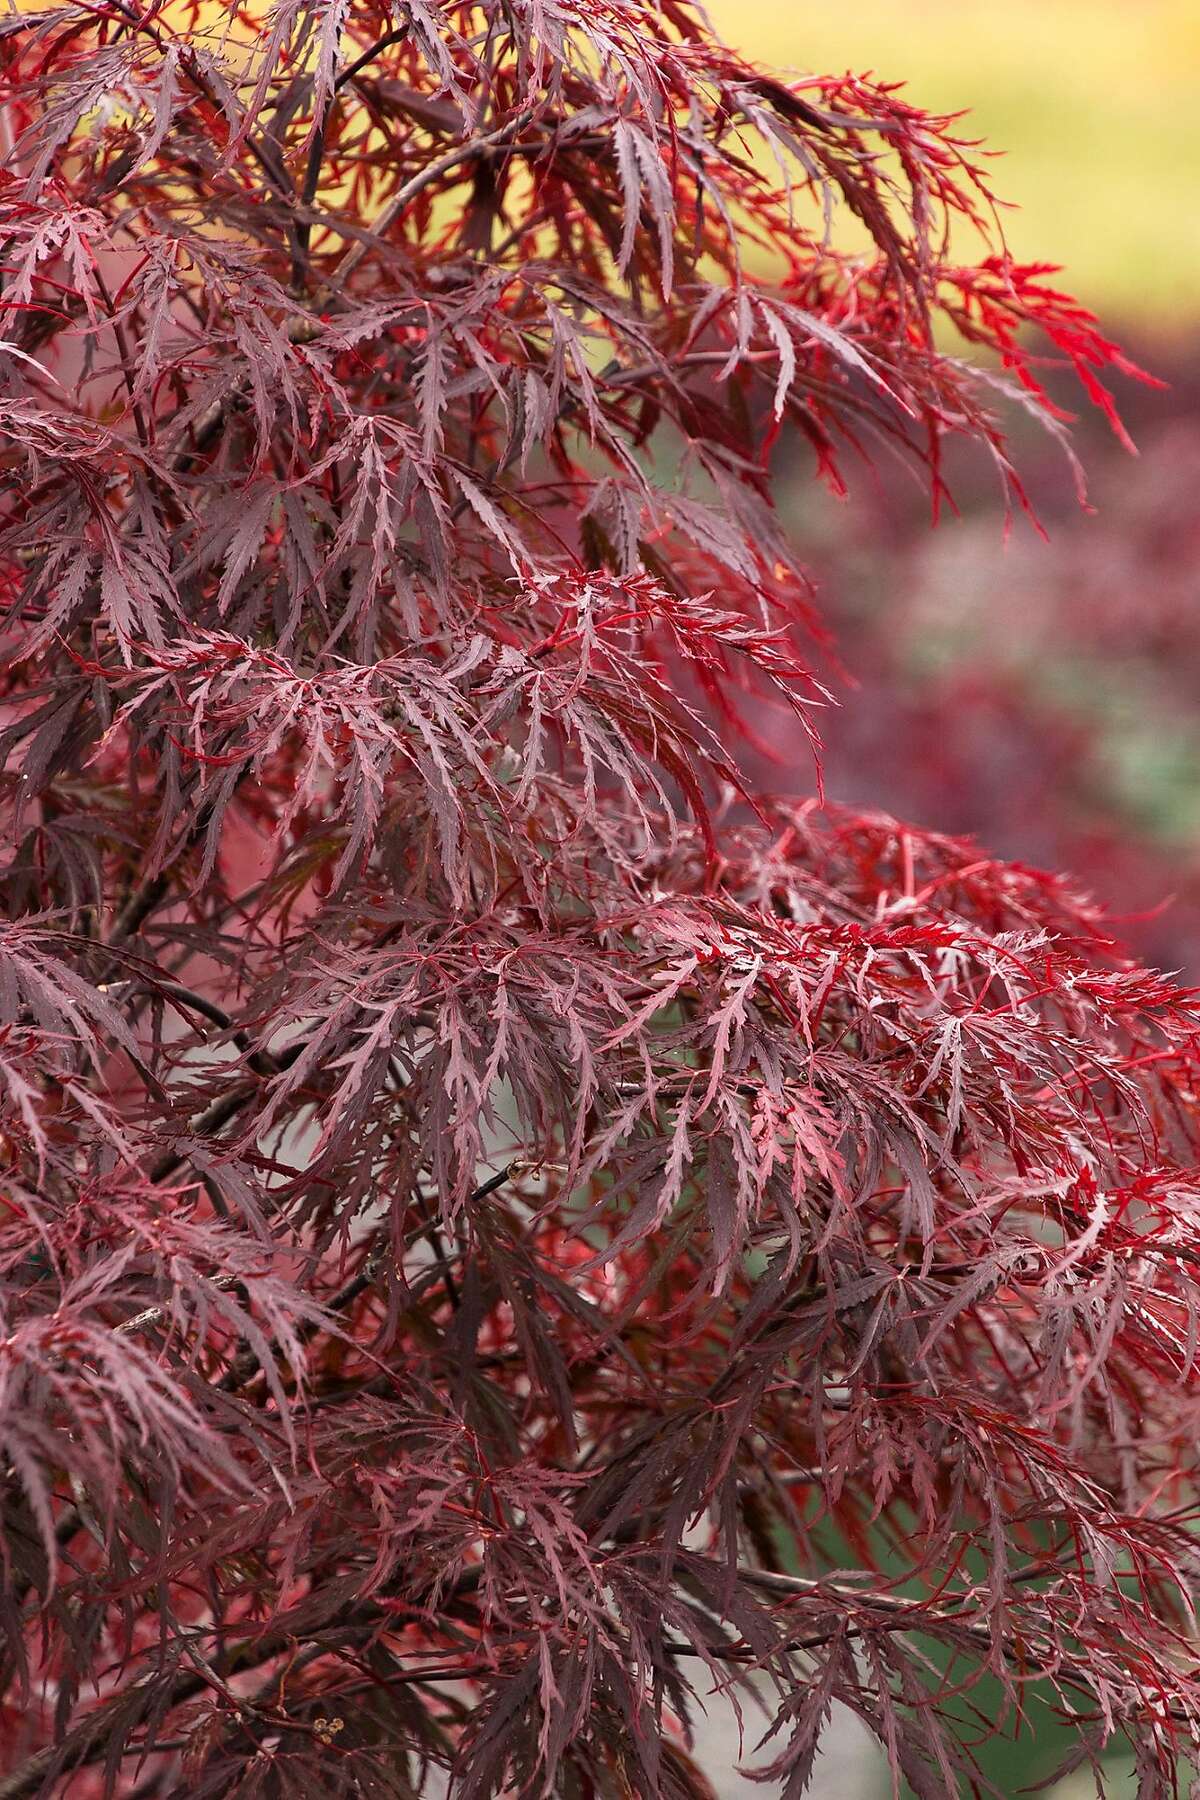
x=502, y=1229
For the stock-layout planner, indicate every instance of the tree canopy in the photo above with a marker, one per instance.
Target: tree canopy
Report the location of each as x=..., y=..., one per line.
x=506, y=1228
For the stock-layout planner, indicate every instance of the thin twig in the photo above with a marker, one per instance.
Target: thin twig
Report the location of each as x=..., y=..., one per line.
x=441, y=165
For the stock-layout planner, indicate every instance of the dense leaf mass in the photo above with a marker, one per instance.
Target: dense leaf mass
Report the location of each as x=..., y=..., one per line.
x=504, y=1230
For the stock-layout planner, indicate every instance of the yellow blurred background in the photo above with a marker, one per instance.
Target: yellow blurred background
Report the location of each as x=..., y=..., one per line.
x=1094, y=103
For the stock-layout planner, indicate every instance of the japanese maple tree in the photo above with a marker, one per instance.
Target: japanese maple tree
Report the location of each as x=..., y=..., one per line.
x=505, y=1230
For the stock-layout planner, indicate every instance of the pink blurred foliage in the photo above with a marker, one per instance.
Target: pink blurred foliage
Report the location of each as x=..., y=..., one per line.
x=1038, y=692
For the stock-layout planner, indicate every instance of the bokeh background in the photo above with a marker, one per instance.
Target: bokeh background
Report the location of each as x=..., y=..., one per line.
x=1042, y=695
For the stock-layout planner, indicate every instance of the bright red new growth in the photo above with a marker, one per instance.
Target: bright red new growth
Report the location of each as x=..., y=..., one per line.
x=503, y=1230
